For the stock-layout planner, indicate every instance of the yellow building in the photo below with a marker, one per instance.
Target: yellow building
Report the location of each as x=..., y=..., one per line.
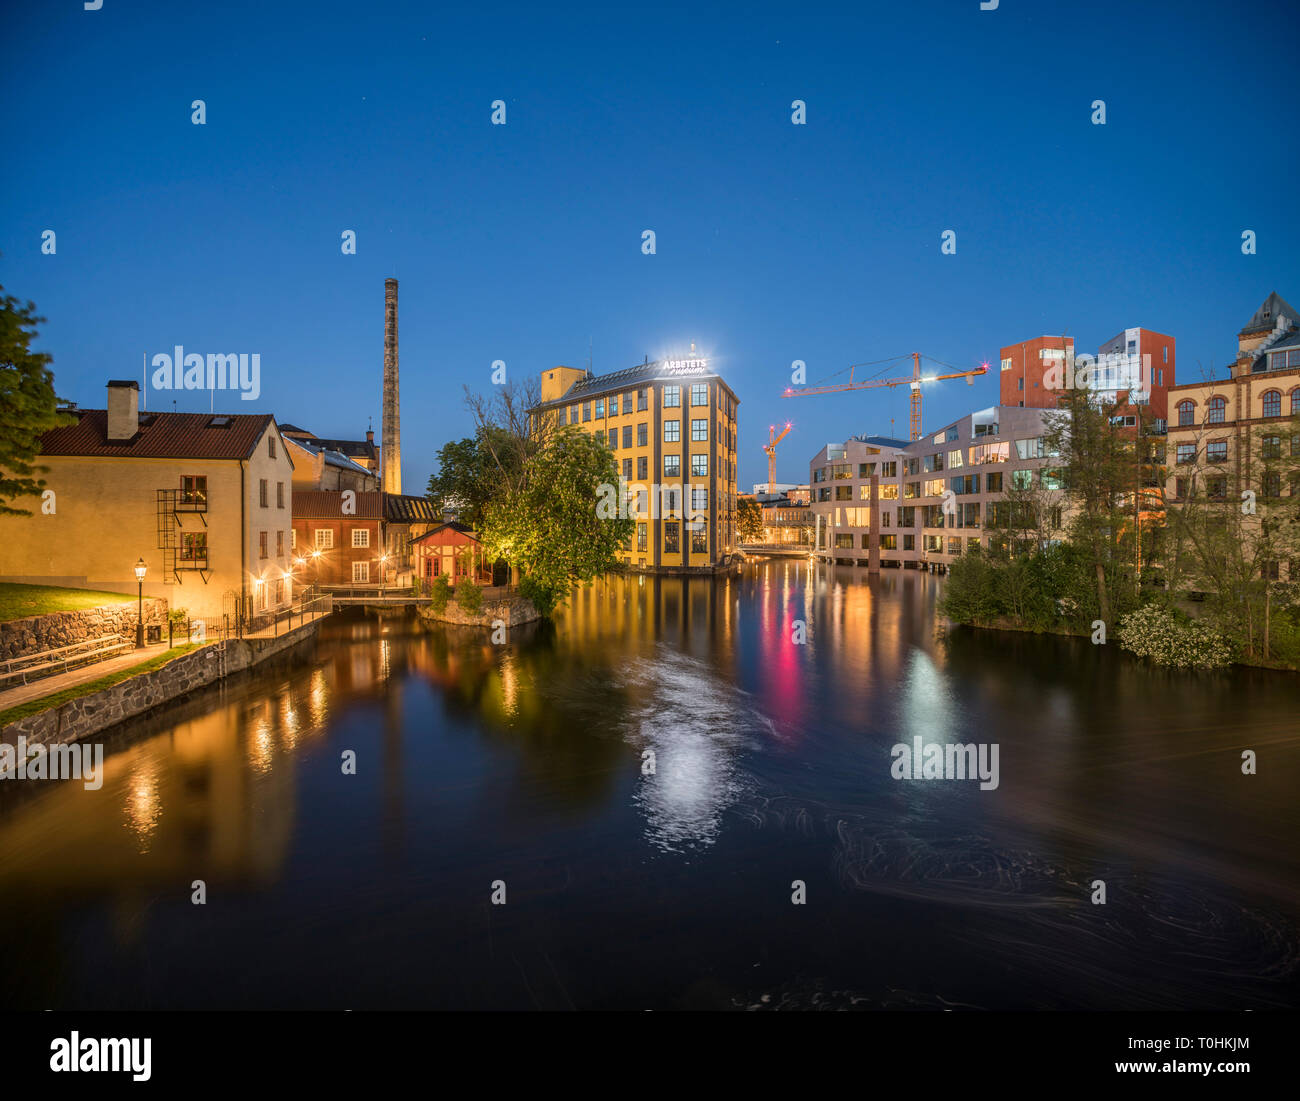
x=672, y=427
x=206, y=500
x=1223, y=432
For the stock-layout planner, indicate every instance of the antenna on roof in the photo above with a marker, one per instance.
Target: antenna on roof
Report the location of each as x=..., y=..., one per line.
x=590, y=345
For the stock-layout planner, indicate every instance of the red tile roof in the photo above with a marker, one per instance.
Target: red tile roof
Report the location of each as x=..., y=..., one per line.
x=161, y=436
x=327, y=504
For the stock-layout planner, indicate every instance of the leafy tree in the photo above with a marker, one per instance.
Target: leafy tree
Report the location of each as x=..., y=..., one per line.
x=749, y=520
x=546, y=522
x=28, y=405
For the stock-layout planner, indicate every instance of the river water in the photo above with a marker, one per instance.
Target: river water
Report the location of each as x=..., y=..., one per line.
x=523, y=770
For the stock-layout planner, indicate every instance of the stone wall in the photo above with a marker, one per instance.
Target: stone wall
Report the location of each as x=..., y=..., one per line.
x=19, y=637
x=512, y=610
x=87, y=715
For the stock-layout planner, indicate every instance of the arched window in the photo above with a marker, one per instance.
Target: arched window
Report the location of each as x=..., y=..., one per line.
x=1295, y=402
x=1186, y=413
x=1217, y=407
x=1273, y=403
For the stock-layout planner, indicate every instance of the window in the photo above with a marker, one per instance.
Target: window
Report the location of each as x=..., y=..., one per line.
x=700, y=394
x=573, y=414
x=1271, y=484
x=700, y=540
x=627, y=402
x=613, y=406
x=1217, y=408
x=279, y=544
x=954, y=459
x=1273, y=403
x=627, y=470
x=361, y=537
x=279, y=495
x=933, y=462
x=1186, y=453
x=700, y=467
x=934, y=487
x=194, y=548
x=613, y=439
x=324, y=538
x=194, y=489
x=261, y=492
x=641, y=435
x=1186, y=413
x=361, y=571
x=1216, y=451
x=699, y=499
x=643, y=468
x=586, y=411
x=1050, y=478
x=270, y=446
x=672, y=537
x=866, y=470
x=1295, y=401
x=1030, y=449
x=1278, y=360
x=889, y=470
x=699, y=430
x=293, y=539
x=672, y=466
x=911, y=489
x=261, y=544
x=994, y=482
x=642, y=401
x=600, y=409
x=672, y=397
x=909, y=542
x=627, y=436
x=1180, y=488
x=844, y=540
x=887, y=493
x=1022, y=479
x=1271, y=447
x=672, y=431
x=845, y=493
x=641, y=537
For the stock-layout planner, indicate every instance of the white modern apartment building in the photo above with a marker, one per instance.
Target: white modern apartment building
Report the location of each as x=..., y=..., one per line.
x=879, y=501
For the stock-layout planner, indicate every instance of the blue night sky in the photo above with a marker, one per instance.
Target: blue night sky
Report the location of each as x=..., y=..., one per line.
x=522, y=242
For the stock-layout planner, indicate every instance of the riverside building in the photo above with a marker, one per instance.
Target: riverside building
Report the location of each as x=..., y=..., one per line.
x=671, y=425
x=879, y=501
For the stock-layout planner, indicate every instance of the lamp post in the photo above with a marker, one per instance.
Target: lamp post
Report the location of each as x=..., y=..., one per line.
x=140, y=569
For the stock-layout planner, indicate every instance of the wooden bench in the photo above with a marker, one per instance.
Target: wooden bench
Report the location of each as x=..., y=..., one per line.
x=63, y=657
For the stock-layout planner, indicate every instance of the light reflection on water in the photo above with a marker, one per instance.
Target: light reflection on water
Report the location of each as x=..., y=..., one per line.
x=525, y=762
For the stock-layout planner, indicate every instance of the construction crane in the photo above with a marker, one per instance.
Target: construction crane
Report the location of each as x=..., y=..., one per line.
x=770, y=447
x=914, y=381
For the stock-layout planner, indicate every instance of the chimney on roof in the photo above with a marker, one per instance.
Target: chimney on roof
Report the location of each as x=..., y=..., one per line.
x=390, y=454
x=123, y=409
x=370, y=435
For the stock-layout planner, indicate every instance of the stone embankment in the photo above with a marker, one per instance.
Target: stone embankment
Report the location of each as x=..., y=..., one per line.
x=20, y=637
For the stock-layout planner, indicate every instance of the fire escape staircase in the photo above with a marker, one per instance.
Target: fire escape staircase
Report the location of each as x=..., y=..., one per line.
x=172, y=505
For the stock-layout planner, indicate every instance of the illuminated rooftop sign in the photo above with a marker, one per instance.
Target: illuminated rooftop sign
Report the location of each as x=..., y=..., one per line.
x=685, y=366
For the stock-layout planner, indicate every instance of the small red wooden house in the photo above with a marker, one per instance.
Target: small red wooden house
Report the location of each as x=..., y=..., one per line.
x=451, y=551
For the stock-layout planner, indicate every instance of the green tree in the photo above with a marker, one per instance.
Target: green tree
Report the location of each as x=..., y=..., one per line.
x=749, y=520
x=28, y=404
x=546, y=522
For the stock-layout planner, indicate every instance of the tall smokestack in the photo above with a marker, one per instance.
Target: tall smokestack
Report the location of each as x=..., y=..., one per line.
x=390, y=455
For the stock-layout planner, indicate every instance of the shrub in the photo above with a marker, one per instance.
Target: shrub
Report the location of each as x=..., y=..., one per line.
x=439, y=594
x=1155, y=632
x=469, y=596
x=542, y=597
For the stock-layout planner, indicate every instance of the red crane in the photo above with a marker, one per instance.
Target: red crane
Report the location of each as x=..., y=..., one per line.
x=914, y=381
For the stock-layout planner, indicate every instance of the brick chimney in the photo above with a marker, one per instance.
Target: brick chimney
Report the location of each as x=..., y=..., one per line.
x=123, y=409
x=390, y=454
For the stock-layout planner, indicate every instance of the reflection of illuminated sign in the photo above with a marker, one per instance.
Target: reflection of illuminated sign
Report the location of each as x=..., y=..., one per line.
x=685, y=366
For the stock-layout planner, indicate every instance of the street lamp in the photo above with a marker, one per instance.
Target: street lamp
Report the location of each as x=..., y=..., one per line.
x=140, y=569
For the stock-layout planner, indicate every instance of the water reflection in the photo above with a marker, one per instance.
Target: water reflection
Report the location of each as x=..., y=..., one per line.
x=768, y=704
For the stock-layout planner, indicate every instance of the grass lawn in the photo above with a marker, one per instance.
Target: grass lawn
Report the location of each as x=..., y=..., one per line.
x=19, y=601
x=59, y=698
